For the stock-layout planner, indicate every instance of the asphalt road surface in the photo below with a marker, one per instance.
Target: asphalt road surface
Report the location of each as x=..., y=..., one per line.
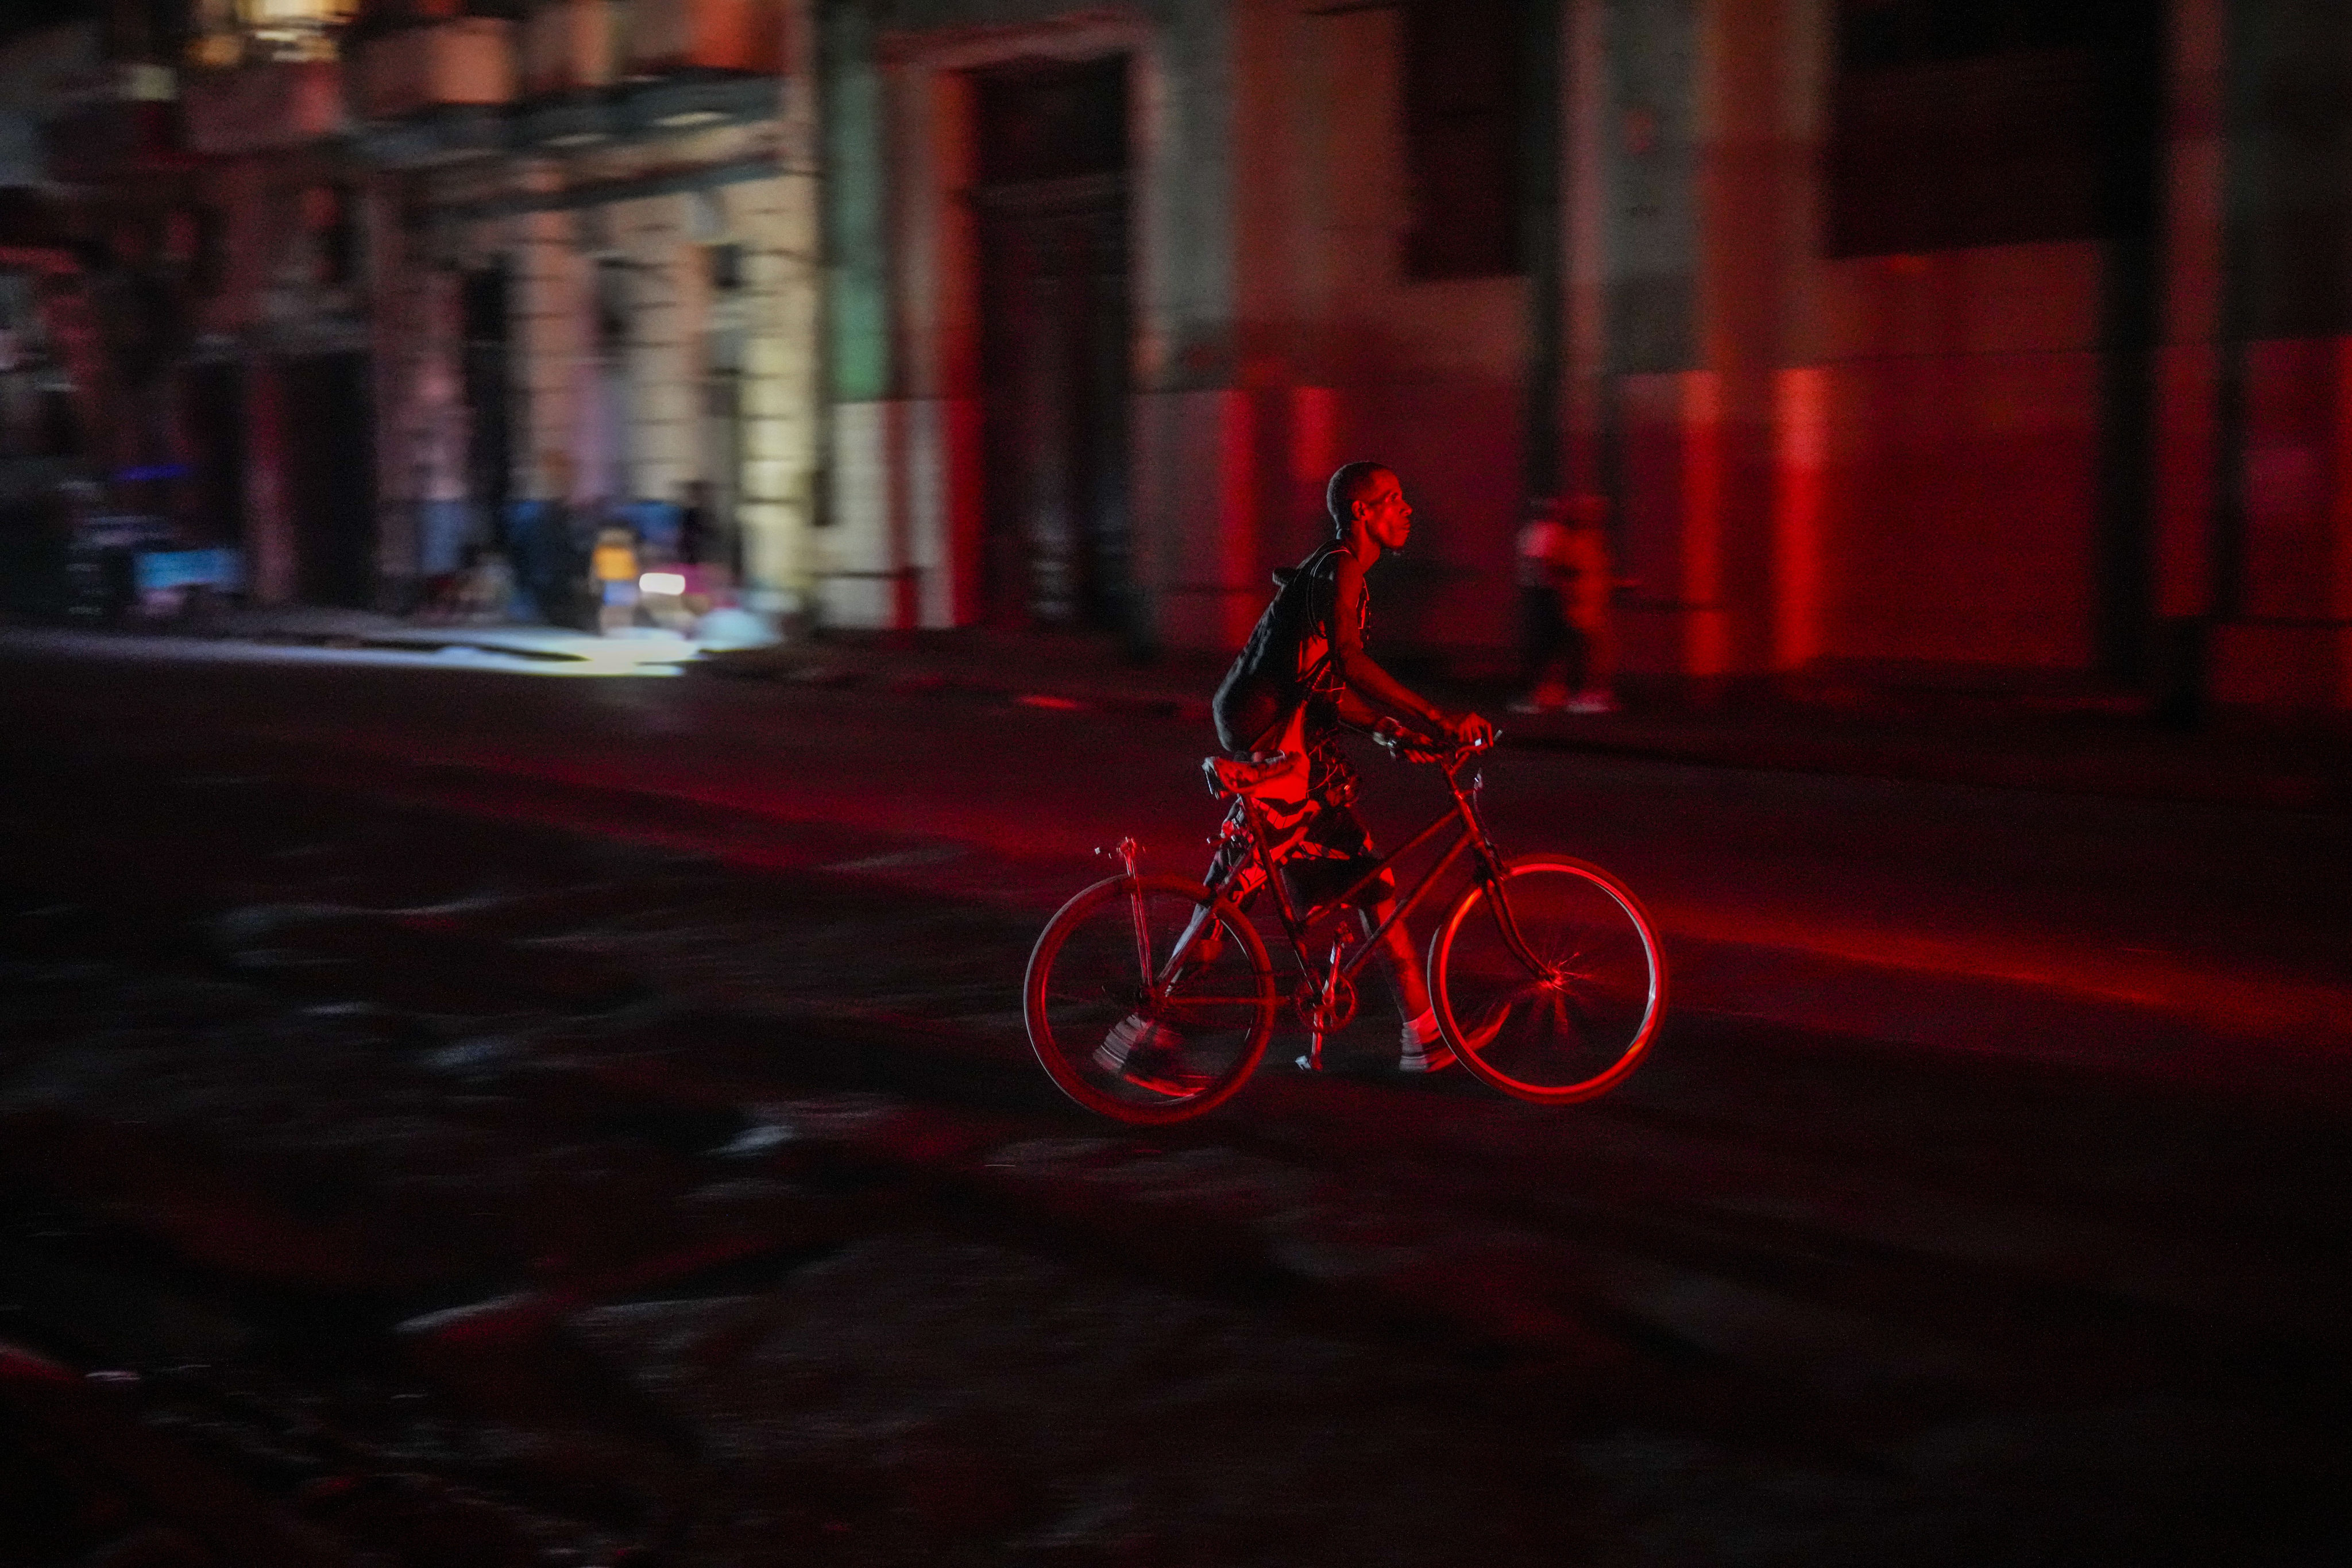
x=449, y=1116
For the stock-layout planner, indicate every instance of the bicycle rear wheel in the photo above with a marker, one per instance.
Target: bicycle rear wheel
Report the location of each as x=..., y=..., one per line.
x=1549, y=984
x=1148, y=1000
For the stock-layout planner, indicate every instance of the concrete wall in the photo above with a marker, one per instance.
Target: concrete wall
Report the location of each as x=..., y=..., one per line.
x=1884, y=460
x=630, y=425
x=1274, y=335
x=1362, y=361
x=1880, y=462
x=1962, y=415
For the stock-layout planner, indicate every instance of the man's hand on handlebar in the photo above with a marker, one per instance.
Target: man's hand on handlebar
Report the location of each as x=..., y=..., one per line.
x=1467, y=734
x=1471, y=732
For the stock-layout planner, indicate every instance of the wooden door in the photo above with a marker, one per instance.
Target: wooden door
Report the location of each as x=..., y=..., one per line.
x=330, y=478
x=1052, y=208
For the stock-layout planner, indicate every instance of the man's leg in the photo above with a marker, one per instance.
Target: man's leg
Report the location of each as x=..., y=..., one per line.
x=1422, y=1046
x=1202, y=942
x=1544, y=634
x=1403, y=966
x=1596, y=659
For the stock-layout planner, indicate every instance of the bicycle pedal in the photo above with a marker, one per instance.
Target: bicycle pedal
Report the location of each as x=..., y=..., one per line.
x=1307, y=1063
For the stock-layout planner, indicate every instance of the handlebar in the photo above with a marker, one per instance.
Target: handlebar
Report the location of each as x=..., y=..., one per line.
x=1406, y=748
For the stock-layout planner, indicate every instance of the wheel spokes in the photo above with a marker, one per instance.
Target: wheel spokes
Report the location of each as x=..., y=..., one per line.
x=1552, y=984
x=1149, y=1003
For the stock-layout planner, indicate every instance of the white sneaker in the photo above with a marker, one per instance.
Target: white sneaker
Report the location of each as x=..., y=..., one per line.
x=1125, y=1036
x=1149, y=1055
x=1426, y=1058
x=1423, y=1047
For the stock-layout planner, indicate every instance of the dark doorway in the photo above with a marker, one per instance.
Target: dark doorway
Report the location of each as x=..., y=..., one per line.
x=488, y=458
x=330, y=478
x=215, y=421
x=1052, y=206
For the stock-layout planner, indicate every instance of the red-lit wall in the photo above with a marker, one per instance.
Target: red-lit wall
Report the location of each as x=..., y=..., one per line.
x=1960, y=398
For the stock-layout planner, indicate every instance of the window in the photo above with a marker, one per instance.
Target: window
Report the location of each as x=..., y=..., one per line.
x=331, y=226
x=1051, y=120
x=1463, y=97
x=1968, y=122
x=612, y=306
x=726, y=267
x=227, y=32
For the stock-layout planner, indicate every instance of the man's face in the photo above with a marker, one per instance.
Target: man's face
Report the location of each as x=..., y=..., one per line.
x=1386, y=516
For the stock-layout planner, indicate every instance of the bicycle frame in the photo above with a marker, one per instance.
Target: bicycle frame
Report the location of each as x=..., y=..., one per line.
x=1297, y=925
x=1567, y=976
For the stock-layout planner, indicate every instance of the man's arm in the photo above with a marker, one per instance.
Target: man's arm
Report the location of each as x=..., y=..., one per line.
x=1369, y=692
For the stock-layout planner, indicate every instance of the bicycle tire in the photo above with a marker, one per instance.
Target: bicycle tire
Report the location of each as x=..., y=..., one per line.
x=1578, y=1025
x=1086, y=980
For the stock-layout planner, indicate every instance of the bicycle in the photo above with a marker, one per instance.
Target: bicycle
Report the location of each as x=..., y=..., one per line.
x=1150, y=998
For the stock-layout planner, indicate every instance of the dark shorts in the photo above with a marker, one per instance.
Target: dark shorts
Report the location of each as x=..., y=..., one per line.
x=1335, y=852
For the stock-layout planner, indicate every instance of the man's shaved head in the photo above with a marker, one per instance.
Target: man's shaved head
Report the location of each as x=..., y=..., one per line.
x=1348, y=483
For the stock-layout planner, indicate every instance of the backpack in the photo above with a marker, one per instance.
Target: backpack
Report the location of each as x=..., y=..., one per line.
x=1286, y=664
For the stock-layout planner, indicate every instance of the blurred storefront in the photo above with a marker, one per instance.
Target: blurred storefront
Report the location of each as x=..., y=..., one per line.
x=382, y=284
x=596, y=278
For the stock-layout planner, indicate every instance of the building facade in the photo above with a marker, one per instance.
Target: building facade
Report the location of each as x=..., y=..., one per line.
x=1909, y=339
x=424, y=277
x=596, y=281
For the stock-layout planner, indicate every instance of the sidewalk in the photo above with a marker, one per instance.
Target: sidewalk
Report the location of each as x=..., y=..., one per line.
x=550, y=649
x=2085, y=746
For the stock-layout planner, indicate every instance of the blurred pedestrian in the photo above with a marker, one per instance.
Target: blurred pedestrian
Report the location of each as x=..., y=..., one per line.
x=1565, y=582
x=694, y=522
x=545, y=560
x=485, y=587
x=613, y=566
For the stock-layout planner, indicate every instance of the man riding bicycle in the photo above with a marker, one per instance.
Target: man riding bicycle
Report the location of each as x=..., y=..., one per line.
x=1303, y=679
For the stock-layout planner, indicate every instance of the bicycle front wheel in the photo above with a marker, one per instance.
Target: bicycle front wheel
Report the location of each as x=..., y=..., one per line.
x=1148, y=999
x=1549, y=984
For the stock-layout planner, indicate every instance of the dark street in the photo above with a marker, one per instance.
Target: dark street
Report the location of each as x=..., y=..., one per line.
x=451, y=1118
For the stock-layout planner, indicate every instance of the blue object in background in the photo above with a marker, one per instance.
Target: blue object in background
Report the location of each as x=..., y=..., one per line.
x=545, y=562
x=444, y=528
x=153, y=570
x=657, y=523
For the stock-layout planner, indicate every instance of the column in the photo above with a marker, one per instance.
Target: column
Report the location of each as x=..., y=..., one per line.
x=269, y=524
x=2282, y=569
x=551, y=337
x=778, y=221
x=1691, y=301
x=2187, y=365
x=664, y=370
x=423, y=519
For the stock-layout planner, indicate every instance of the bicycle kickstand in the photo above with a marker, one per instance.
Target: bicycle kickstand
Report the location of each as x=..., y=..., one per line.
x=1327, y=1009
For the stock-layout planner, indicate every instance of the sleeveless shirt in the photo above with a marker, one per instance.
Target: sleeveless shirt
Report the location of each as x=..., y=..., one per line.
x=1287, y=663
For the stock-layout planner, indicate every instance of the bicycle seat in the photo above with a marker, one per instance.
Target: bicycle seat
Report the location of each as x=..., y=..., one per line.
x=1284, y=775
